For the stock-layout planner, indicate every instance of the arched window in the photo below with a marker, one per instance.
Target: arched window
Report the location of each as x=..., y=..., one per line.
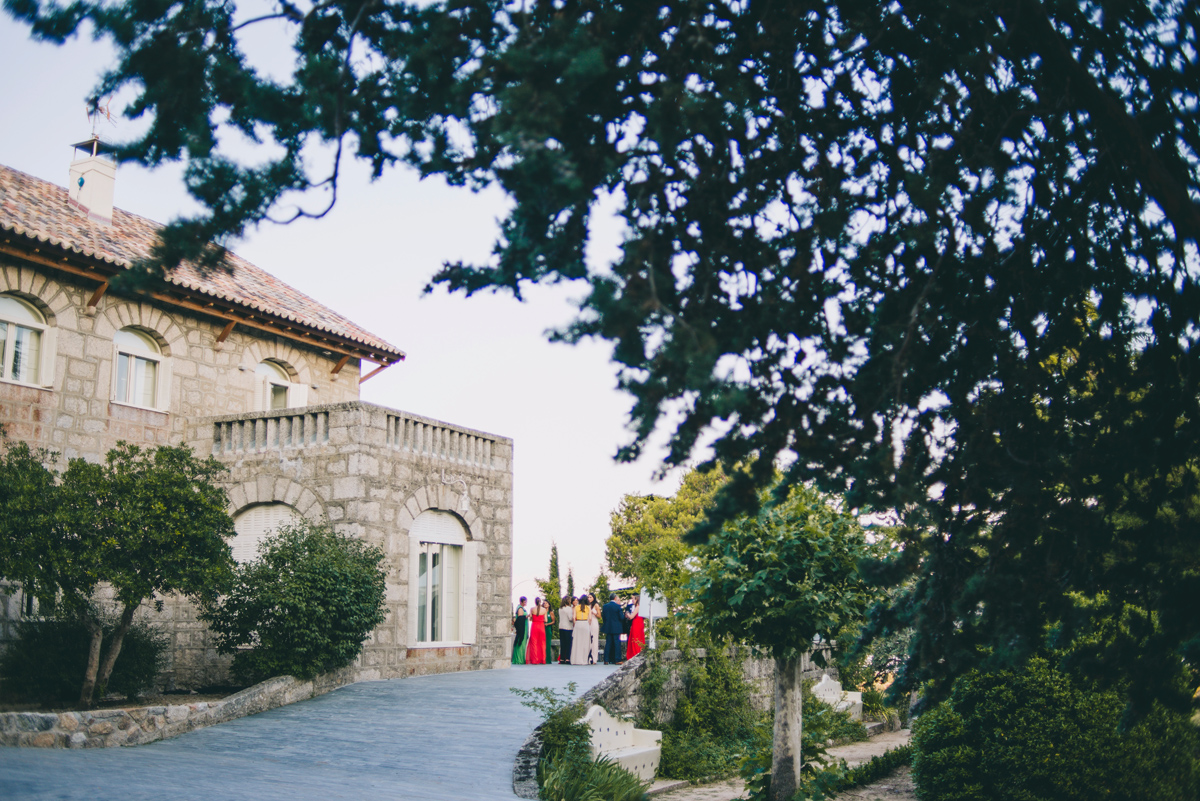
x=141, y=375
x=25, y=345
x=255, y=524
x=443, y=580
x=276, y=390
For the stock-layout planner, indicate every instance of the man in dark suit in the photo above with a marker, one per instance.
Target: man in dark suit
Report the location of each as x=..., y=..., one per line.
x=611, y=616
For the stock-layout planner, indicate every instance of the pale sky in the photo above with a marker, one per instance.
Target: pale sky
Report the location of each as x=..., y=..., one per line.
x=481, y=362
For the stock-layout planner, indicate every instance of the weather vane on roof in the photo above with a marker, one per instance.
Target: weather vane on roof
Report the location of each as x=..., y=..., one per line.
x=98, y=108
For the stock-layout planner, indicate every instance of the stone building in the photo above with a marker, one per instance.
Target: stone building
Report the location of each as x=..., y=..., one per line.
x=266, y=379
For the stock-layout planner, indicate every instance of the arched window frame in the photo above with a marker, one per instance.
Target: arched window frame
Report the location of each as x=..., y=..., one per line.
x=133, y=350
x=21, y=323
x=426, y=542
x=274, y=379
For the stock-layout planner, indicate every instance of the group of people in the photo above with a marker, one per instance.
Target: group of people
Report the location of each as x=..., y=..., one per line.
x=580, y=622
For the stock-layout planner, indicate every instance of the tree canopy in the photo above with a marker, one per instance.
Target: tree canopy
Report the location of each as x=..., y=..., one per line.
x=147, y=523
x=856, y=235
x=646, y=544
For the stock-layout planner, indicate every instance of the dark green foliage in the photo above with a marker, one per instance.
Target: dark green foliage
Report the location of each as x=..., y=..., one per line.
x=566, y=770
x=713, y=725
x=146, y=522
x=303, y=607
x=45, y=663
x=564, y=735
x=936, y=254
x=877, y=767
x=598, y=780
x=786, y=575
x=1039, y=734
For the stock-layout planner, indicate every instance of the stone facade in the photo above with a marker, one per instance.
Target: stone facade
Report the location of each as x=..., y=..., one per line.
x=369, y=470
x=372, y=471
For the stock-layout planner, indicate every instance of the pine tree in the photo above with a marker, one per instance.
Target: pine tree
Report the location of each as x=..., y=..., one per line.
x=553, y=585
x=551, y=588
x=570, y=582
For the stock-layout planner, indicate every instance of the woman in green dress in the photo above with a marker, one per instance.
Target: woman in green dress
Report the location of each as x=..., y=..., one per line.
x=521, y=626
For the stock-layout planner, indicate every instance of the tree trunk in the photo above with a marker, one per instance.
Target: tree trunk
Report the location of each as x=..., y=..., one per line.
x=785, y=749
x=114, y=647
x=93, y=662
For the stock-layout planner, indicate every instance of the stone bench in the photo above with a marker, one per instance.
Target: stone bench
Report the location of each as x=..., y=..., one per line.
x=636, y=750
x=831, y=693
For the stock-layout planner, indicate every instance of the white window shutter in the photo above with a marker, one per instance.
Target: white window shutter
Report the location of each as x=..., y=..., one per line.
x=254, y=525
x=49, y=349
x=298, y=395
x=470, y=592
x=163, y=396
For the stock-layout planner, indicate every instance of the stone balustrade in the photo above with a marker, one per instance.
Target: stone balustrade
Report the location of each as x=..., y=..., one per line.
x=283, y=429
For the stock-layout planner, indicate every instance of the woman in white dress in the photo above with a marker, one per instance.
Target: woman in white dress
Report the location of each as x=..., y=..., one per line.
x=580, y=641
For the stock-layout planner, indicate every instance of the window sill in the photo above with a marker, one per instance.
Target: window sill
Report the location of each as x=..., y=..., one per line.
x=422, y=645
x=137, y=414
x=136, y=406
x=14, y=383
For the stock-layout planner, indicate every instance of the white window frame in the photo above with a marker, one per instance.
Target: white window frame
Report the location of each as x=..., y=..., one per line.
x=26, y=316
x=434, y=530
x=144, y=346
x=272, y=373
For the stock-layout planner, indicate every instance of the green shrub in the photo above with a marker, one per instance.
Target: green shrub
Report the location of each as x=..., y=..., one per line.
x=563, y=733
x=713, y=727
x=599, y=780
x=1040, y=734
x=44, y=664
x=303, y=607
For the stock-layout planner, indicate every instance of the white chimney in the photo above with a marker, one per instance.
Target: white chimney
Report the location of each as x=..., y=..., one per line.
x=93, y=178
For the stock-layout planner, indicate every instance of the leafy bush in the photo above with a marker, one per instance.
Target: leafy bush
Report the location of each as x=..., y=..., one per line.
x=563, y=732
x=45, y=663
x=303, y=607
x=713, y=726
x=599, y=780
x=1041, y=734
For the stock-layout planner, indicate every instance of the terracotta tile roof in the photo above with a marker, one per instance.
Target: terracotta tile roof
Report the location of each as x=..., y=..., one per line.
x=39, y=210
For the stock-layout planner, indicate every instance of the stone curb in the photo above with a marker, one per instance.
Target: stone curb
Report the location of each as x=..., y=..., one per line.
x=105, y=728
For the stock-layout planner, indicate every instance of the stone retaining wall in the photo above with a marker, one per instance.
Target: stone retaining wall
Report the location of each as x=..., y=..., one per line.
x=103, y=728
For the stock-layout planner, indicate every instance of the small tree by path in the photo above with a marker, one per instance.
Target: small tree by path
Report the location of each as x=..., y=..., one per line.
x=779, y=580
x=156, y=523
x=146, y=523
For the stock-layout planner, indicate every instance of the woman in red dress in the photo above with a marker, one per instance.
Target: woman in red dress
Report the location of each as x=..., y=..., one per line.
x=637, y=631
x=535, y=654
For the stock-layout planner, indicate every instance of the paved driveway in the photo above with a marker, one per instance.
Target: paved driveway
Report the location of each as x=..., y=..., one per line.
x=429, y=738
